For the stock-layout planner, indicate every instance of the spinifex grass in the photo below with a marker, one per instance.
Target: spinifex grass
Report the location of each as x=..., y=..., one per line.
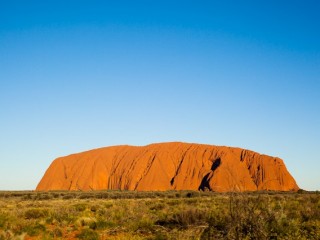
x=159, y=215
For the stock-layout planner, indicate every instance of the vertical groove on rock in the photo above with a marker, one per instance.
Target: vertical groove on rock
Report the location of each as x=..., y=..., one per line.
x=179, y=165
x=146, y=171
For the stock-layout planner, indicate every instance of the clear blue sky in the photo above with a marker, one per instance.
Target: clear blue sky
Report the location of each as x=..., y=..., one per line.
x=77, y=75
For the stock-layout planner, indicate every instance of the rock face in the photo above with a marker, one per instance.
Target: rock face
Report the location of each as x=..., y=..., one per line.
x=168, y=166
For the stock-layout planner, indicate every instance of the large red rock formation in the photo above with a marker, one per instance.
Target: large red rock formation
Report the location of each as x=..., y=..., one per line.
x=168, y=166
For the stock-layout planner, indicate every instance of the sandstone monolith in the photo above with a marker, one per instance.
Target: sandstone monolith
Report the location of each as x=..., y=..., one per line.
x=168, y=166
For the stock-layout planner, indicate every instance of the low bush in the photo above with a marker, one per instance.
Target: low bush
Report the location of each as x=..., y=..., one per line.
x=3, y=220
x=34, y=229
x=35, y=213
x=56, y=233
x=80, y=207
x=88, y=234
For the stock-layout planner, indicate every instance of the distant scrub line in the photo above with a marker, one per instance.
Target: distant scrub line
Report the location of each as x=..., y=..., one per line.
x=159, y=215
x=124, y=194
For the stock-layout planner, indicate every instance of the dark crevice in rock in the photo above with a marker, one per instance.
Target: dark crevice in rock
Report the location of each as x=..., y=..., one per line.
x=204, y=185
x=216, y=163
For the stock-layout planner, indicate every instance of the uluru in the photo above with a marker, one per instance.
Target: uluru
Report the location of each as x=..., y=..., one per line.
x=168, y=166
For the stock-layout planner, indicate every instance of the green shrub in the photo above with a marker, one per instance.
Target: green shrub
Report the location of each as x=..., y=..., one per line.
x=94, y=208
x=26, y=197
x=67, y=196
x=80, y=207
x=3, y=220
x=101, y=224
x=192, y=194
x=142, y=225
x=62, y=215
x=88, y=234
x=35, y=213
x=57, y=233
x=184, y=218
x=56, y=195
x=157, y=206
x=34, y=229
